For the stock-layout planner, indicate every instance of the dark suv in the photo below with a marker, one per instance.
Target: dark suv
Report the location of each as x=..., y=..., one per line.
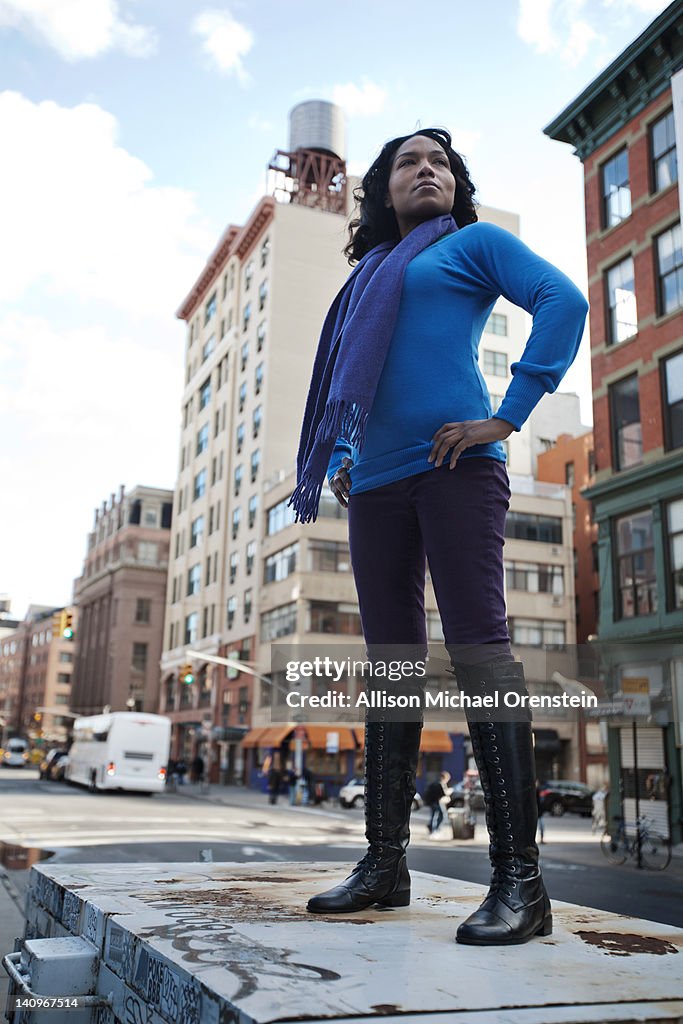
x=560, y=796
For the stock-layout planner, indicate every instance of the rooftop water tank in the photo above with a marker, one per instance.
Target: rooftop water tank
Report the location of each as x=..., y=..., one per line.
x=318, y=124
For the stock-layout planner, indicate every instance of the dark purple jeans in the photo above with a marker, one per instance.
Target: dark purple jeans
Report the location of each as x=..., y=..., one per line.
x=455, y=520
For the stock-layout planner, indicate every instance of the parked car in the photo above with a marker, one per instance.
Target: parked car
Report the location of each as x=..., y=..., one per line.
x=58, y=769
x=16, y=754
x=561, y=796
x=353, y=795
x=50, y=761
x=476, y=796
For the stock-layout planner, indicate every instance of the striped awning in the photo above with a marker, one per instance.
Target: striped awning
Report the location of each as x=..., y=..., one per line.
x=432, y=741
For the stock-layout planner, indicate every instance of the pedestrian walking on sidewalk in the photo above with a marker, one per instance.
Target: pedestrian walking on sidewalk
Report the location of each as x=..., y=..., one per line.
x=400, y=421
x=434, y=795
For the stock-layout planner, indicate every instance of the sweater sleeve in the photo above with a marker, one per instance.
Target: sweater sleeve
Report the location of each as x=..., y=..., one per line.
x=508, y=267
x=342, y=448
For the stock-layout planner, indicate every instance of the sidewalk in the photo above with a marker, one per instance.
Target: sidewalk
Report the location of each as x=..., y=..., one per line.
x=11, y=924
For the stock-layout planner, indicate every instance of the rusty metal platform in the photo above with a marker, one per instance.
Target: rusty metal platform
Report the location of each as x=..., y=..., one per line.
x=233, y=944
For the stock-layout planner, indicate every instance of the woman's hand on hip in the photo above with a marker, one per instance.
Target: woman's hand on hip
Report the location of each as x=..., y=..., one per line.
x=340, y=483
x=460, y=436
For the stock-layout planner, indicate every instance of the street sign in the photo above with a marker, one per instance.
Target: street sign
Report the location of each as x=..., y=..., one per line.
x=332, y=743
x=636, y=695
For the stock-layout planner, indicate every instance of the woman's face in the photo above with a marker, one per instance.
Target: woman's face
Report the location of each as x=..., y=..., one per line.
x=421, y=183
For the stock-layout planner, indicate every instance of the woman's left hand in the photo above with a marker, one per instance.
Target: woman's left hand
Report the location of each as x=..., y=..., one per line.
x=460, y=436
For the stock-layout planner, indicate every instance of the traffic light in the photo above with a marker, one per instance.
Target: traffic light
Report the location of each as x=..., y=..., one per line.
x=58, y=624
x=68, y=628
x=186, y=675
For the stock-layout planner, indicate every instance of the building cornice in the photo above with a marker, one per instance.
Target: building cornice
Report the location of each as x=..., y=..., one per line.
x=640, y=73
x=234, y=241
x=670, y=463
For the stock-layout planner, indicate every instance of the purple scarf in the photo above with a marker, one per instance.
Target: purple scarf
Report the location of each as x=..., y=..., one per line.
x=351, y=352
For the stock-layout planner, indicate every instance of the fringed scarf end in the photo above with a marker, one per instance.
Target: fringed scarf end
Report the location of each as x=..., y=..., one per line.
x=305, y=499
x=346, y=419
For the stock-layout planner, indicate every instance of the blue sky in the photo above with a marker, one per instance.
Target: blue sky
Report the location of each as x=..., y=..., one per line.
x=135, y=130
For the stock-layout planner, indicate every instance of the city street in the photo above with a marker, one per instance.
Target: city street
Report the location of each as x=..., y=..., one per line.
x=233, y=824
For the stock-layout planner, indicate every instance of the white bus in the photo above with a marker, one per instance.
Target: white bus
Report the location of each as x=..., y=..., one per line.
x=121, y=750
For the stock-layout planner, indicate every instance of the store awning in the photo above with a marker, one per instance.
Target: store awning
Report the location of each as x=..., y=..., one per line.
x=433, y=741
x=317, y=736
x=274, y=735
x=436, y=741
x=252, y=737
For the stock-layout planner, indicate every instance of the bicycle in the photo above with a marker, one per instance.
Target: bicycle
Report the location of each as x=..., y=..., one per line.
x=655, y=851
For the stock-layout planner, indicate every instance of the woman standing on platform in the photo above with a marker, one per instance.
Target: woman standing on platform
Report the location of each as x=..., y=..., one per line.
x=399, y=419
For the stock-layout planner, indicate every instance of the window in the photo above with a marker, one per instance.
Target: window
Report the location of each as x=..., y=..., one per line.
x=537, y=632
x=663, y=152
x=616, y=192
x=63, y=677
x=151, y=517
x=194, y=580
x=248, y=275
x=148, y=552
x=166, y=515
x=140, y=657
x=238, y=479
x=224, y=287
x=674, y=534
x=672, y=378
x=281, y=564
x=66, y=657
x=495, y=363
x=242, y=395
x=330, y=617
x=281, y=515
x=256, y=421
x=234, y=563
x=239, y=437
x=208, y=347
x=260, y=335
x=262, y=295
x=202, y=439
x=621, y=302
x=497, y=324
x=217, y=423
x=495, y=402
x=278, y=622
x=246, y=316
x=244, y=355
x=573, y=515
x=328, y=556
x=143, y=610
x=635, y=565
x=247, y=604
x=529, y=526
x=197, y=532
x=670, y=270
x=191, y=629
x=569, y=474
x=205, y=393
x=258, y=378
x=236, y=518
x=535, y=578
x=210, y=309
x=255, y=463
x=592, y=465
x=231, y=609
x=251, y=555
x=199, y=485
x=253, y=509
x=627, y=434
x=265, y=249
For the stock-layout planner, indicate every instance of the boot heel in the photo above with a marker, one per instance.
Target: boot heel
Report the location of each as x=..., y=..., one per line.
x=547, y=926
x=397, y=899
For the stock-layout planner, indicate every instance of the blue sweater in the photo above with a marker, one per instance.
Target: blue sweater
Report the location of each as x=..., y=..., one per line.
x=431, y=374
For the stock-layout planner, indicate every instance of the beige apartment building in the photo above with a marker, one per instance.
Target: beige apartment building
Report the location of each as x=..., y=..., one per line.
x=241, y=572
x=120, y=598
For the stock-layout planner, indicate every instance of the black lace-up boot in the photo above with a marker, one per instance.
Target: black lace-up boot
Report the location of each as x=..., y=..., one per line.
x=516, y=907
x=381, y=876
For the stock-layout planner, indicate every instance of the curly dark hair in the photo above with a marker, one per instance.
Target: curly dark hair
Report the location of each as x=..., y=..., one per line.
x=377, y=223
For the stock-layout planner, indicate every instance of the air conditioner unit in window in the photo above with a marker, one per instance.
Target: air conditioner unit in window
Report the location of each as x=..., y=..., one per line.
x=555, y=550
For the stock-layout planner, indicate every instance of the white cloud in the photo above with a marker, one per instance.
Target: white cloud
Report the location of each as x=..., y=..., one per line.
x=78, y=29
x=365, y=100
x=556, y=27
x=83, y=218
x=225, y=40
x=87, y=408
x=260, y=124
